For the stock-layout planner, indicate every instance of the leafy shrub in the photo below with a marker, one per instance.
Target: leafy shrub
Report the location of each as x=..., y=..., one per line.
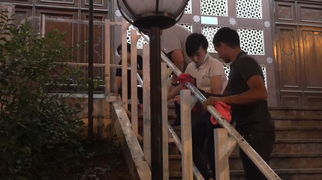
x=39, y=132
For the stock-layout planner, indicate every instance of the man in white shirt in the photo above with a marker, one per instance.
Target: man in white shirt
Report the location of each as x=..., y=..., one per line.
x=173, y=45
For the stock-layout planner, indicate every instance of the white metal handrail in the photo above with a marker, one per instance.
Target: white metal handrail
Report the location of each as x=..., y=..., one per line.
x=251, y=153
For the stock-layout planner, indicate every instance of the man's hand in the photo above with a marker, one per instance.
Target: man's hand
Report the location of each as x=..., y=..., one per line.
x=175, y=99
x=210, y=101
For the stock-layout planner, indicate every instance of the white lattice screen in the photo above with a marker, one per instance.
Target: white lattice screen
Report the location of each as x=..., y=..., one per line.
x=214, y=8
x=252, y=40
x=209, y=32
x=188, y=9
x=251, y=9
x=141, y=41
x=188, y=26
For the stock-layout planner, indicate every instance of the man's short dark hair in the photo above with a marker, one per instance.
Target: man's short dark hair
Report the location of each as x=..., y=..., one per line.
x=193, y=43
x=228, y=36
x=119, y=48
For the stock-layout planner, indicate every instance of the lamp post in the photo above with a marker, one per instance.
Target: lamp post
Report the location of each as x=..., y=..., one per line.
x=153, y=16
x=90, y=69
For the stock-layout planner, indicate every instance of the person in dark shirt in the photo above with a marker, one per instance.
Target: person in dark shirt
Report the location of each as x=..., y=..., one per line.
x=247, y=95
x=118, y=85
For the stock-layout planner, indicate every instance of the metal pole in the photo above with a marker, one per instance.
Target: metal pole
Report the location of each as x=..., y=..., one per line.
x=90, y=70
x=156, y=105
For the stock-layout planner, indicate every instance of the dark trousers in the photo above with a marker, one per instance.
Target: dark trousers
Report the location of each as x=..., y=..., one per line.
x=203, y=132
x=263, y=144
x=177, y=122
x=140, y=94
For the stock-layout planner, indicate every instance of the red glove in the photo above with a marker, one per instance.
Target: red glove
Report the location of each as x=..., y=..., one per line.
x=223, y=109
x=183, y=79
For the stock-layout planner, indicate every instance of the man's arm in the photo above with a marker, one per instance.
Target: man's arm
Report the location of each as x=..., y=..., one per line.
x=215, y=85
x=178, y=60
x=256, y=92
x=251, y=73
x=226, y=93
x=175, y=91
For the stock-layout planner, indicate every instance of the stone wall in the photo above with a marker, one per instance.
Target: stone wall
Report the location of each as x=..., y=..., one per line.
x=102, y=121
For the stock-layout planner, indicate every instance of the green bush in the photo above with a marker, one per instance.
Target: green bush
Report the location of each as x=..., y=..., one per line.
x=39, y=132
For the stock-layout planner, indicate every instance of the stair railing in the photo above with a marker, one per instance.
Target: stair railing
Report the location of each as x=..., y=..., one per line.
x=221, y=136
x=185, y=150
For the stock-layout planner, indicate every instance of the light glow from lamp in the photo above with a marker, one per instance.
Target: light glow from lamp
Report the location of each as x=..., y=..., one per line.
x=148, y=13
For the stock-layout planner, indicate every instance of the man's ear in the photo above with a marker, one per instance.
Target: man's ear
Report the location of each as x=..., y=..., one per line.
x=222, y=45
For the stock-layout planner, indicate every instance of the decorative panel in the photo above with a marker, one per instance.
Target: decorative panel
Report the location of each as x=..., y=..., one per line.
x=18, y=1
x=209, y=32
x=188, y=9
x=313, y=100
x=312, y=43
x=311, y=13
x=288, y=58
x=60, y=1
x=64, y=3
x=252, y=40
x=263, y=67
x=285, y=12
x=141, y=41
x=98, y=4
x=21, y=14
x=98, y=40
x=69, y=28
x=291, y=99
x=251, y=9
x=188, y=26
x=214, y=8
x=227, y=69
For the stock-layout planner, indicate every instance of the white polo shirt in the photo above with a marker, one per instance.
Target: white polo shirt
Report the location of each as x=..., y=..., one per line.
x=209, y=68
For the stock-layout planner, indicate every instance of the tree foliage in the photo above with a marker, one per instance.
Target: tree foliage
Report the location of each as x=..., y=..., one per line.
x=39, y=132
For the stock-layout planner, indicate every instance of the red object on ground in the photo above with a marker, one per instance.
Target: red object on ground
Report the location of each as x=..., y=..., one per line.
x=224, y=110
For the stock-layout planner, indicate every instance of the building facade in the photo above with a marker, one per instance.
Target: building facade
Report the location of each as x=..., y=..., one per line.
x=283, y=35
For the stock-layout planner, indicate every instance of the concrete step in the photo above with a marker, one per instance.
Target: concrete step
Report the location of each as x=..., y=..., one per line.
x=295, y=146
x=278, y=161
x=285, y=174
x=285, y=132
x=284, y=146
x=298, y=132
x=285, y=111
x=297, y=120
x=293, y=111
x=284, y=160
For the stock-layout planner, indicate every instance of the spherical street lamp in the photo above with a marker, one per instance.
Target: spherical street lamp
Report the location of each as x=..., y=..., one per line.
x=145, y=14
x=153, y=16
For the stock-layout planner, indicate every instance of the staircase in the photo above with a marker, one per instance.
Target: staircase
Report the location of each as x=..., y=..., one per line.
x=297, y=154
